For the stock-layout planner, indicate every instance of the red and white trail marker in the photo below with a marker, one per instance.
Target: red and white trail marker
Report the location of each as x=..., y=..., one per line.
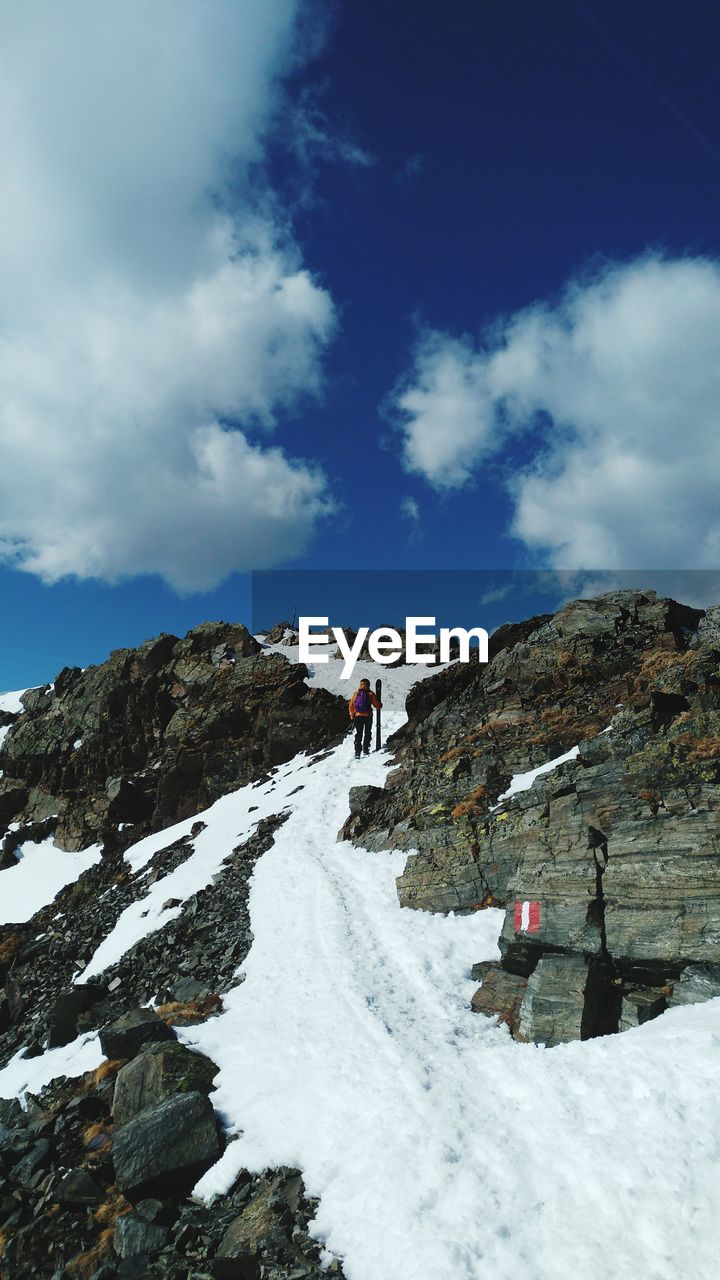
x=527, y=917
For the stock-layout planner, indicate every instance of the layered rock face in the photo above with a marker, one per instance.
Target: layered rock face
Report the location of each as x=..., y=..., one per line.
x=154, y=735
x=608, y=865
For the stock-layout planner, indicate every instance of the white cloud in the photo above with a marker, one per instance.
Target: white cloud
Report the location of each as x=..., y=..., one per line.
x=620, y=383
x=445, y=410
x=154, y=311
x=494, y=595
x=410, y=509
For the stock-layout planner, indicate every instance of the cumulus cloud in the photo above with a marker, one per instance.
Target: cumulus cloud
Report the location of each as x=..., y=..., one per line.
x=155, y=315
x=616, y=391
x=445, y=410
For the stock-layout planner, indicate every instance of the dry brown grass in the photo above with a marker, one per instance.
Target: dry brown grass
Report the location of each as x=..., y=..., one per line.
x=180, y=1012
x=9, y=947
x=474, y=805
x=657, y=661
x=107, y=1068
x=491, y=730
x=704, y=749
x=111, y=1209
x=653, y=798
x=487, y=901
x=86, y=1264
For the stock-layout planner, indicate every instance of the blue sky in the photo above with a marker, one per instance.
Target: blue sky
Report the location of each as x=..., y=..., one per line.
x=409, y=285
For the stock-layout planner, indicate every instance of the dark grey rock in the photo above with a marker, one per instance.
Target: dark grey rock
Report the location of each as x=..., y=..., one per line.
x=133, y=1235
x=158, y=1072
x=552, y=1007
x=361, y=797
x=168, y=1145
x=63, y=1019
x=125, y=1037
x=79, y=1187
x=36, y=1159
x=14, y=1143
x=11, y=1112
x=136, y=1267
x=697, y=983
x=189, y=989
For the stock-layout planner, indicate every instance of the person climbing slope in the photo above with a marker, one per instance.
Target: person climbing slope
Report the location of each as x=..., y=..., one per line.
x=361, y=713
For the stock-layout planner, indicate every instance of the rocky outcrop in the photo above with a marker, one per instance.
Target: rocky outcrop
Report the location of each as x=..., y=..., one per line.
x=156, y=734
x=608, y=866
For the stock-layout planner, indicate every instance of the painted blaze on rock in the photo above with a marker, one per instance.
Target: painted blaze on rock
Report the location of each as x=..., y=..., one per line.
x=527, y=917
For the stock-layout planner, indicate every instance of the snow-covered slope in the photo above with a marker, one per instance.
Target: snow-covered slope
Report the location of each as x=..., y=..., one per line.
x=11, y=701
x=42, y=871
x=440, y=1148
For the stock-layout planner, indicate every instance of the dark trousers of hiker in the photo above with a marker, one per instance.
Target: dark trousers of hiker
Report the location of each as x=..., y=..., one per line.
x=363, y=733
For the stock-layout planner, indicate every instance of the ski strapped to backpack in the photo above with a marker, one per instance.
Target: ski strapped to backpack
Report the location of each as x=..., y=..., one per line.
x=378, y=728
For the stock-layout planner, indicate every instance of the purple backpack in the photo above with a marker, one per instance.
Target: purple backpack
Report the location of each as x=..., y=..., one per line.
x=362, y=702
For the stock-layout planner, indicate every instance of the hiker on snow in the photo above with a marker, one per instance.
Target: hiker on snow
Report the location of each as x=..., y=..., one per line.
x=361, y=713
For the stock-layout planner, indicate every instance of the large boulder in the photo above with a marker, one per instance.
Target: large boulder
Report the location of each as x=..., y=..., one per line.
x=551, y=1010
x=167, y=1147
